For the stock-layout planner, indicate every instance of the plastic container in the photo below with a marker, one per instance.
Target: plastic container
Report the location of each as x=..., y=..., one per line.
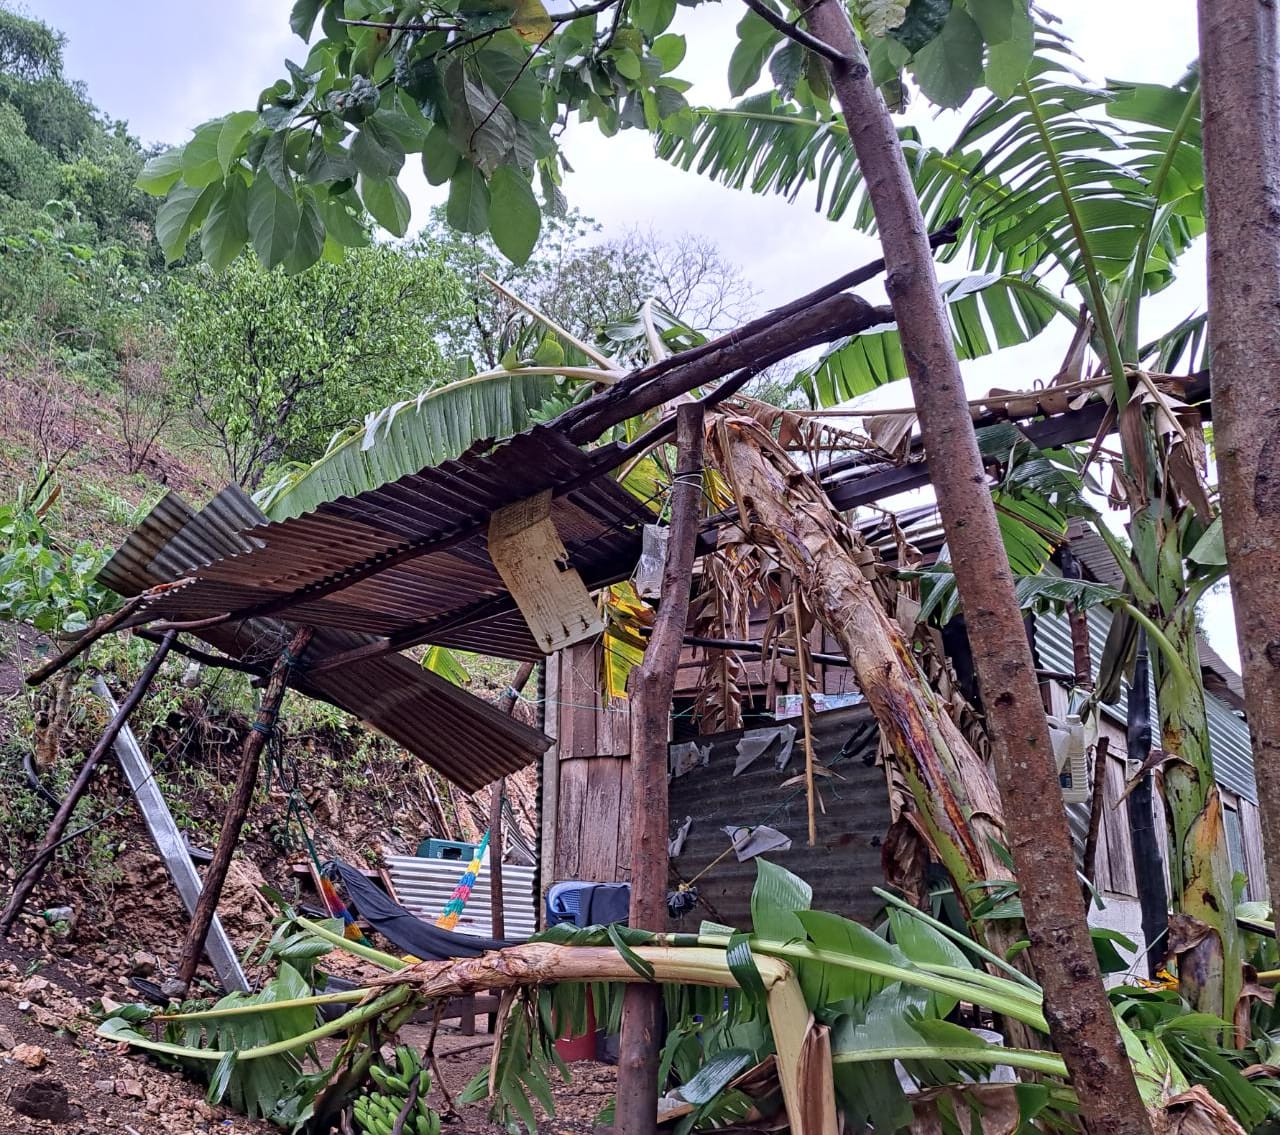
x=446, y=849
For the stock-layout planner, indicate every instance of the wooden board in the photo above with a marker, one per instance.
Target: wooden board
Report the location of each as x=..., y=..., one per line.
x=529, y=555
x=572, y=816
x=599, y=852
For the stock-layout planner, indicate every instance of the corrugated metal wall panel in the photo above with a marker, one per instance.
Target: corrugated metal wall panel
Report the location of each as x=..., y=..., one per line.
x=1228, y=734
x=844, y=865
x=425, y=885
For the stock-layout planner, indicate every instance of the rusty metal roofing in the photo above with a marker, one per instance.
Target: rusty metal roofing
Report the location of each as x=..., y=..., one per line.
x=452, y=596
x=846, y=862
x=464, y=738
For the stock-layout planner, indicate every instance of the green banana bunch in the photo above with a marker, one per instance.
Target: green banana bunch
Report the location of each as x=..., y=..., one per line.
x=376, y=1112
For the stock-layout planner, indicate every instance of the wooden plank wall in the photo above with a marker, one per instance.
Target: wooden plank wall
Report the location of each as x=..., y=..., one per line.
x=593, y=830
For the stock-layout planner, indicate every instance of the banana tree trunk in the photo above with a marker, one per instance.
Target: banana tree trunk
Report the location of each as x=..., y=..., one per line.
x=1203, y=934
x=1079, y=1013
x=1238, y=53
x=958, y=809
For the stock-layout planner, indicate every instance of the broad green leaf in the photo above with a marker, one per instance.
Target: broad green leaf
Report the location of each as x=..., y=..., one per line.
x=309, y=243
x=468, y=206
x=949, y=68
x=653, y=17
x=180, y=214
x=227, y=227
x=273, y=221
x=826, y=984
x=274, y=161
x=775, y=900
x=442, y=661
x=924, y=21
x=995, y=18
x=628, y=64
x=755, y=40
x=343, y=221
x=1008, y=60
x=376, y=150
x=408, y=436
x=161, y=173
x=200, y=164
x=303, y=17
x=386, y=202
x=514, y=216
x=786, y=66
x=232, y=134
x=440, y=156
x=1211, y=549
x=670, y=49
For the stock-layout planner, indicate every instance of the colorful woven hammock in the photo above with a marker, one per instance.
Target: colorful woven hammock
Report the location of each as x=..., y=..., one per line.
x=453, y=908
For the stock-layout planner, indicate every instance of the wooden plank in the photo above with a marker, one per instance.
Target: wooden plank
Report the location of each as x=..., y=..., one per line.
x=571, y=817
x=1251, y=835
x=622, y=868
x=599, y=848
x=533, y=562
x=1115, y=822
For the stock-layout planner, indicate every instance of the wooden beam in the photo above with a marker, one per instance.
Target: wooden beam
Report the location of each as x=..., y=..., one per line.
x=652, y=686
x=238, y=807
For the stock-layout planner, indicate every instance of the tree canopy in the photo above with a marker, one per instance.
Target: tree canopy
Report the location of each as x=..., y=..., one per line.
x=480, y=96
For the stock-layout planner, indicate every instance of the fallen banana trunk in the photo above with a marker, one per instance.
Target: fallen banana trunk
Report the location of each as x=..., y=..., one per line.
x=803, y=1061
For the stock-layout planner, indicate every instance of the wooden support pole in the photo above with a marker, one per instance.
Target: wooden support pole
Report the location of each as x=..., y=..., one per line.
x=497, y=917
x=652, y=686
x=58, y=825
x=238, y=808
x=497, y=920
x=102, y=625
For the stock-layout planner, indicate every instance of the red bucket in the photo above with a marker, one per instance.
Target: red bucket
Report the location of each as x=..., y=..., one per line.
x=573, y=1048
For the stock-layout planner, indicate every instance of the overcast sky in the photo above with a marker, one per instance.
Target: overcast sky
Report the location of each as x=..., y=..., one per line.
x=167, y=65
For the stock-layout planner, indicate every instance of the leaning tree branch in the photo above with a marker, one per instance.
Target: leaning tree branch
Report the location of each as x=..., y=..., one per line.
x=802, y=37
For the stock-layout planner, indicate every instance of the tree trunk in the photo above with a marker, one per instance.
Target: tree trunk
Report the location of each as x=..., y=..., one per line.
x=1080, y=1019
x=238, y=807
x=1241, y=121
x=53, y=838
x=652, y=686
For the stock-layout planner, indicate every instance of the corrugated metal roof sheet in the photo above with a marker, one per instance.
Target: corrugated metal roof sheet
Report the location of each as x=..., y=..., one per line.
x=465, y=738
x=844, y=865
x=453, y=595
x=425, y=885
x=1228, y=733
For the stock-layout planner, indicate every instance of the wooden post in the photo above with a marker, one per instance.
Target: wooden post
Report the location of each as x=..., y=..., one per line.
x=498, y=925
x=652, y=687
x=58, y=825
x=238, y=808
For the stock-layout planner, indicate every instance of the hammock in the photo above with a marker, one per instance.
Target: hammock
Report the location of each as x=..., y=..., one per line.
x=453, y=908
x=405, y=930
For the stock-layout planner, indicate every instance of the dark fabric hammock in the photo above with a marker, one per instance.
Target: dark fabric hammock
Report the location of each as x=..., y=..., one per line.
x=407, y=931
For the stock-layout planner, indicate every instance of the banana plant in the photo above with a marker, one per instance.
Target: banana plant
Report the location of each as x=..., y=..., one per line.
x=798, y=980
x=1099, y=189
